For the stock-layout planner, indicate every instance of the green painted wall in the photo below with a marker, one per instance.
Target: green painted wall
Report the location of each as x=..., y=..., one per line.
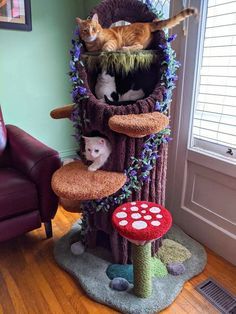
x=33, y=72
x=89, y=4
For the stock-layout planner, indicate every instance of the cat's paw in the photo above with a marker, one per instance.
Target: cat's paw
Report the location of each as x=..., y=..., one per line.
x=92, y=168
x=108, y=48
x=125, y=48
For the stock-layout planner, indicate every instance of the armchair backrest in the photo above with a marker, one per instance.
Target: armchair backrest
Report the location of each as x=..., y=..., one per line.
x=3, y=133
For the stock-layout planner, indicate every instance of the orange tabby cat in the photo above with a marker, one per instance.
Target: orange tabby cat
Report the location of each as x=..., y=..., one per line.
x=135, y=36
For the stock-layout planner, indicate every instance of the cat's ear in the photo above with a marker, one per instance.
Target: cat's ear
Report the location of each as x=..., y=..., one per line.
x=78, y=21
x=95, y=17
x=102, y=141
x=85, y=138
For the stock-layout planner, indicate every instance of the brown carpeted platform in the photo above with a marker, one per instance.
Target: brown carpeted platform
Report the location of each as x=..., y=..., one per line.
x=72, y=206
x=138, y=125
x=74, y=182
x=62, y=112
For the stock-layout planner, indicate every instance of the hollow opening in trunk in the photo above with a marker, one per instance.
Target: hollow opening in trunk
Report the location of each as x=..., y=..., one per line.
x=103, y=240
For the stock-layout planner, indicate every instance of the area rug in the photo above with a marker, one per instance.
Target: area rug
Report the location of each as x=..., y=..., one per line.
x=90, y=271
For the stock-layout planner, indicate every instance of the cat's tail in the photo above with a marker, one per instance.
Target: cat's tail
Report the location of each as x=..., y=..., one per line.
x=171, y=22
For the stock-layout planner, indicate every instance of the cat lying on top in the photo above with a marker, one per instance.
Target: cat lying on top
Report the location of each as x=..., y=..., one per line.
x=131, y=37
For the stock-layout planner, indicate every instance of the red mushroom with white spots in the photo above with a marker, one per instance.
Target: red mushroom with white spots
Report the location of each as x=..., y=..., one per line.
x=141, y=223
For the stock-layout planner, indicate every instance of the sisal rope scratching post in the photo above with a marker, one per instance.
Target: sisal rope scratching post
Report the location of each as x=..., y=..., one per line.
x=141, y=223
x=141, y=255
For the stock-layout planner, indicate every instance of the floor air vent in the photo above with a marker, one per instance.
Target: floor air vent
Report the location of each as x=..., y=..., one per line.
x=224, y=301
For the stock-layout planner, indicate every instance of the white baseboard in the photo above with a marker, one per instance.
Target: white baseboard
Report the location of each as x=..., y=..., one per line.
x=68, y=153
x=214, y=237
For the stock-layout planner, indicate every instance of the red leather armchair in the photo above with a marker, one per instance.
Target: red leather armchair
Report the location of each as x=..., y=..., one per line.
x=26, y=197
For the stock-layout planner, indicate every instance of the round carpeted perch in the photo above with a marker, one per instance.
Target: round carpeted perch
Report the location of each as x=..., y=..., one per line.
x=139, y=125
x=74, y=182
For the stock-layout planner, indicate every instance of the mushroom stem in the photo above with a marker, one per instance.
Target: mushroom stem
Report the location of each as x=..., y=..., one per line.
x=141, y=255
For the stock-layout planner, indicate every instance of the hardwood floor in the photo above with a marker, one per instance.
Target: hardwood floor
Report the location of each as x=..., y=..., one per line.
x=31, y=282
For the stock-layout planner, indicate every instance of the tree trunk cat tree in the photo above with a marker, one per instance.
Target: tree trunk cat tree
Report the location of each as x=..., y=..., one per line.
x=131, y=130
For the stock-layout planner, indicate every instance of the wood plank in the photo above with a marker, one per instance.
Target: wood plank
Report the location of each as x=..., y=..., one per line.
x=31, y=281
x=5, y=298
x=14, y=292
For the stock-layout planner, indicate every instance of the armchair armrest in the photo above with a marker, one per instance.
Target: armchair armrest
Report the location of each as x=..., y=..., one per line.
x=38, y=162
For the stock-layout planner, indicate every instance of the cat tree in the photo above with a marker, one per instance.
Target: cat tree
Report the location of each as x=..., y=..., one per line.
x=138, y=133
x=134, y=172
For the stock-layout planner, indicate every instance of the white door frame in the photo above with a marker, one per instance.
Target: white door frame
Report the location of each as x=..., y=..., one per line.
x=213, y=230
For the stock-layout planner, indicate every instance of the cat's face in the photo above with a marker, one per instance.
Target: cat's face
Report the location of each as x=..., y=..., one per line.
x=89, y=29
x=105, y=77
x=94, y=147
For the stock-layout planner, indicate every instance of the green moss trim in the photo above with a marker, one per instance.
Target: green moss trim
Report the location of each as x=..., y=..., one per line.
x=172, y=251
x=158, y=269
x=119, y=60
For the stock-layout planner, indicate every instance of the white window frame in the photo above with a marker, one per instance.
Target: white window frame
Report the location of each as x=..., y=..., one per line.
x=205, y=147
x=182, y=107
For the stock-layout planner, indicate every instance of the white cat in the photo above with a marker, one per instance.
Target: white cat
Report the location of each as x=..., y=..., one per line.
x=132, y=95
x=106, y=86
x=97, y=149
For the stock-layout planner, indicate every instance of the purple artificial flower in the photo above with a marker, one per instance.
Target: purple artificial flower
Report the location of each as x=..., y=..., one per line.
x=155, y=155
x=168, y=72
x=153, y=134
x=77, y=51
x=82, y=90
x=177, y=64
x=143, y=155
x=146, y=168
x=174, y=78
x=74, y=93
x=157, y=106
x=147, y=145
x=133, y=173
x=165, y=96
x=148, y=3
x=72, y=66
x=74, y=116
x=167, y=58
x=168, y=139
x=162, y=46
x=73, y=79
x=145, y=178
x=171, y=38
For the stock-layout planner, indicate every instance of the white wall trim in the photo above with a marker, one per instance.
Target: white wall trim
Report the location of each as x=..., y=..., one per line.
x=201, y=223
x=68, y=153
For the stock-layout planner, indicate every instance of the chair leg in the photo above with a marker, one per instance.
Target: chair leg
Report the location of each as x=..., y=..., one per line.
x=48, y=229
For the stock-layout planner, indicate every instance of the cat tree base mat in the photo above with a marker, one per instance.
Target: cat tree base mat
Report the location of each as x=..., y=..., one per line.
x=74, y=182
x=89, y=269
